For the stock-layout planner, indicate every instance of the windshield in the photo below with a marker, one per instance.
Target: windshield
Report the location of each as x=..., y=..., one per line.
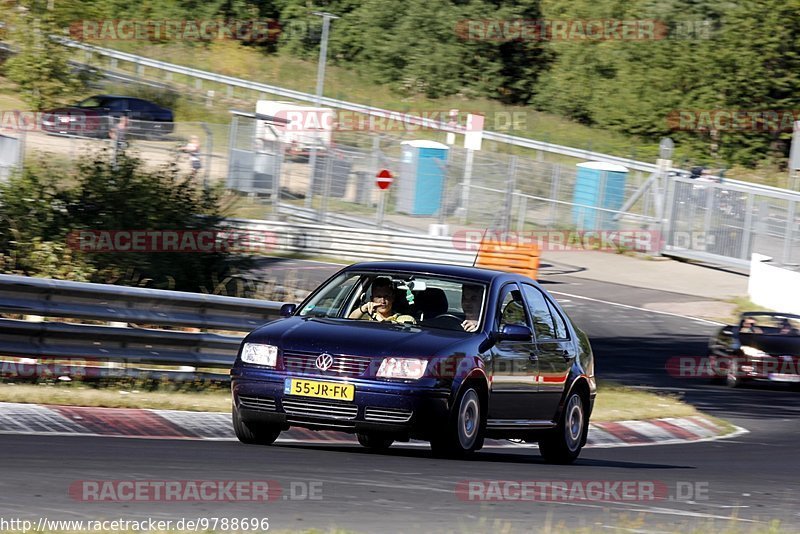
x=769, y=324
x=423, y=300
x=93, y=102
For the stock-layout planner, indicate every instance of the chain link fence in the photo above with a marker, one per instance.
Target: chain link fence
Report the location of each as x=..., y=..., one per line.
x=440, y=188
x=196, y=148
x=720, y=222
x=436, y=187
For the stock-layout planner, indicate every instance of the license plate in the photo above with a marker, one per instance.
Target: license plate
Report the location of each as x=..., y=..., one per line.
x=323, y=390
x=783, y=377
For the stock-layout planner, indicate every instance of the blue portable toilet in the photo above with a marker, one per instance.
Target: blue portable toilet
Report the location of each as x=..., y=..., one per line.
x=422, y=174
x=602, y=185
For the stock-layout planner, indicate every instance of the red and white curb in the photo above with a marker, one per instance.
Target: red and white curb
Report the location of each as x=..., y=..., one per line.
x=18, y=418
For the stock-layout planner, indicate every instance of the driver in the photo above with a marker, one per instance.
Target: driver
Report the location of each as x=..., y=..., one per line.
x=749, y=326
x=471, y=300
x=380, y=307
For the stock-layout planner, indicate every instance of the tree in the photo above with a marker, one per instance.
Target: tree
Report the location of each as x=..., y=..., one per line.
x=42, y=217
x=41, y=65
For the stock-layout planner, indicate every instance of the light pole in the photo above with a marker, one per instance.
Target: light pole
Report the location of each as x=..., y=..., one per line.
x=323, y=56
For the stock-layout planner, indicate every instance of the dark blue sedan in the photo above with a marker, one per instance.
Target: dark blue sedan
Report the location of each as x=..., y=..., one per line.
x=399, y=351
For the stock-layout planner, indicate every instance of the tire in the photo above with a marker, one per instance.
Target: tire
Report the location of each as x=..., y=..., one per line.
x=564, y=445
x=463, y=433
x=374, y=441
x=733, y=377
x=251, y=433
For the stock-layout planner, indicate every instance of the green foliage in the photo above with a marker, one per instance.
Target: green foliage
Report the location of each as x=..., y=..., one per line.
x=41, y=66
x=716, y=54
x=43, y=210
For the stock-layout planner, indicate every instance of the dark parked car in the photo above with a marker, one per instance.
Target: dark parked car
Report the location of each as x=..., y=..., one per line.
x=762, y=346
x=97, y=115
x=465, y=354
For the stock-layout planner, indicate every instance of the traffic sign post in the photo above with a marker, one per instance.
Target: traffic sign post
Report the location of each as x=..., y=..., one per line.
x=383, y=180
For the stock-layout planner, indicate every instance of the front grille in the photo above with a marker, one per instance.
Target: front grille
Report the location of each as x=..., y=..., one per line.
x=319, y=408
x=387, y=415
x=264, y=404
x=343, y=365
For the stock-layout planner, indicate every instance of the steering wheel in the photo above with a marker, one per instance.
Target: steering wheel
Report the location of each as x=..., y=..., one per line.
x=447, y=319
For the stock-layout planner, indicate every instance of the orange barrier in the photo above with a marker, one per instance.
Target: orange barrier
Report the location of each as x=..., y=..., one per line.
x=510, y=257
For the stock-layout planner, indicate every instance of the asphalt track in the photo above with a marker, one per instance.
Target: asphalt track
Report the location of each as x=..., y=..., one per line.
x=740, y=483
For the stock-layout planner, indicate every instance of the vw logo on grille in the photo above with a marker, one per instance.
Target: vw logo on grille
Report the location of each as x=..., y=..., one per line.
x=324, y=361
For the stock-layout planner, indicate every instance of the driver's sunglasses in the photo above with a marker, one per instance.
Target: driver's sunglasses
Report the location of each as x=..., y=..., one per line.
x=384, y=297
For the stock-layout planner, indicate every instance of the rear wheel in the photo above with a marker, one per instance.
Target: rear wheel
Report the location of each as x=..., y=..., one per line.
x=564, y=445
x=463, y=433
x=253, y=433
x=374, y=441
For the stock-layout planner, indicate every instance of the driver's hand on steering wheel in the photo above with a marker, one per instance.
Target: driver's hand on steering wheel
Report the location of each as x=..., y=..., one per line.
x=470, y=325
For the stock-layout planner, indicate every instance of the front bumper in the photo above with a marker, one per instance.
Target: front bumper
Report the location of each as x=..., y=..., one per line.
x=763, y=368
x=404, y=410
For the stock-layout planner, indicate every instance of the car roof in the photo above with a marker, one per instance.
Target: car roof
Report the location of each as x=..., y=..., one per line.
x=771, y=313
x=120, y=97
x=456, y=271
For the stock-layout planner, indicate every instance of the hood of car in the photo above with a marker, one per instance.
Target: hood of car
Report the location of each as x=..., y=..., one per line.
x=776, y=345
x=362, y=338
x=74, y=110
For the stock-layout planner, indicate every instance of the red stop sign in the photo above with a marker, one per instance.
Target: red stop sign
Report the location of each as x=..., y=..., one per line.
x=384, y=179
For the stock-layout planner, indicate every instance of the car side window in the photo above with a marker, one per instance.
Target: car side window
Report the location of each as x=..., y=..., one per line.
x=140, y=106
x=117, y=105
x=558, y=321
x=512, y=308
x=543, y=326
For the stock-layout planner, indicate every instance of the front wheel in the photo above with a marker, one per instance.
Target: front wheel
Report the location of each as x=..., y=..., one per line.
x=733, y=378
x=463, y=433
x=564, y=445
x=253, y=433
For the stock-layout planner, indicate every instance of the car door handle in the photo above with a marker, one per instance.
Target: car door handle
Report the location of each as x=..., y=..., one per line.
x=567, y=355
x=534, y=357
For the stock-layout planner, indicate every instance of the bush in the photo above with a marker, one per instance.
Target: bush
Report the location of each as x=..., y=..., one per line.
x=43, y=208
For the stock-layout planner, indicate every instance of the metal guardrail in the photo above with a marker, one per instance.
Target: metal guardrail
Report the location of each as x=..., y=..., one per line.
x=359, y=108
x=350, y=106
x=120, y=306
x=355, y=244
x=379, y=112
x=20, y=295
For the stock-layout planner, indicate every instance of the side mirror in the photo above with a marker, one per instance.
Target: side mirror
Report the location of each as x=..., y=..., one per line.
x=514, y=332
x=288, y=309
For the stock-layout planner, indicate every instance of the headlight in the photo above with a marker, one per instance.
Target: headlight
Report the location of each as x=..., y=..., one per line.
x=402, y=368
x=259, y=354
x=752, y=351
